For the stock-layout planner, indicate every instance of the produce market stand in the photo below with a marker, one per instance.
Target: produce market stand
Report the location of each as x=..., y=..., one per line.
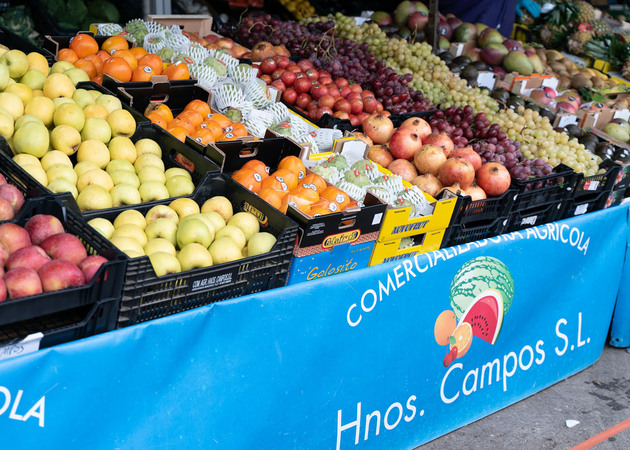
x=327, y=364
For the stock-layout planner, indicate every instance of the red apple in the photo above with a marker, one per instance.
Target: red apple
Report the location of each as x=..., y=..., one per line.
x=268, y=65
x=13, y=195
x=6, y=210
x=32, y=256
x=4, y=254
x=282, y=61
x=311, y=74
x=303, y=100
x=289, y=95
x=277, y=74
x=356, y=106
x=64, y=246
x=266, y=78
x=323, y=110
x=278, y=84
x=40, y=226
x=288, y=78
x=342, y=105
x=3, y=180
x=14, y=237
x=60, y=274
x=3, y=290
x=90, y=266
x=404, y=144
x=341, y=82
x=22, y=282
x=302, y=85
x=304, y=65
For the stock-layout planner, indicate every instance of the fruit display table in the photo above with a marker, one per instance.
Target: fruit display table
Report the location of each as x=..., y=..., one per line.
x=358, y=360
x=620, y=327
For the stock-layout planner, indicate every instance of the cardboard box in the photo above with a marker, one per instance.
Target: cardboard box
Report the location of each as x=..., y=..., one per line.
x=521, y=84
x=391, y=250
x=200, y=24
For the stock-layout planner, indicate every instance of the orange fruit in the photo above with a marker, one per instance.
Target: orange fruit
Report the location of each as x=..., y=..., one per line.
x=179, y=122
x=157, y=119
x=117, y=68
x=222, y=120
x=103, y=55
x=98, y=62
x=272, y=196
x=294, y=164
x=87, y=66
x=463, y=338
x=179, y=133
x=138, y=52
x=161, y=109
x=66, y=54
x=114, y=43
x=444, y=326
x=83, y=45
x=200, y=106
x=142, y=73
x=98, y=79
x=177, y=71
x=260, y=167
x=336, y=195
x=127, y=56
x=192, y=116
x=315, y=180
x=152, y=60
x=248, y=178
x=214, y=127
x=203, y=136
x=295, y=201
x=307, y=193
x=274, y=183
x=288, y=177
x=318, y=210
x=326, y=205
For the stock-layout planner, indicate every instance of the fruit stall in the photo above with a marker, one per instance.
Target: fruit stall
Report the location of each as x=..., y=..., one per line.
x=390, y=223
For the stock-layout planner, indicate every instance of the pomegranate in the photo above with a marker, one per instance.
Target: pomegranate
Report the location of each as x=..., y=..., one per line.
x=457, y=170
x=475, y=192
x=493, y=178
x=441, y=140
x=262, y=51
x=428, y=159
x=378, y=127
x=470, y=155
x=427, y=183
x=419, y=125
x=363, y=137
x=455, y=188
x=403, y=168
x=380, y=154
x=404, y=143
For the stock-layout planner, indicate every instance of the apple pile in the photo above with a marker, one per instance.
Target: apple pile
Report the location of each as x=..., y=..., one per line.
x=11, y=199
x=430, y=160
x=182, y=236
x=42, y=257
x=316, y=93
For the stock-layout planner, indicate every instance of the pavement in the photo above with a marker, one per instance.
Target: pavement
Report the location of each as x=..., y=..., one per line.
x=597, y=398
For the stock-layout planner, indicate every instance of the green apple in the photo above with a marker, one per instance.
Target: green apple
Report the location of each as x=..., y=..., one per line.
x=179, y=185
x=161, y=212
x=31, y=138
x=62, y=185
x=61, y=67
x=103, y=226
x=125, y=194
x=259, y=243
x=63, y=172
x=151, y=173
x=34, y=79
x=58, y=85
x=76, y=75
x=146, y=145
x=81, y=167
x=173, y=171
x=162, y=228
x=164, y=263
x=215, y=219
x=7, y=126
x=130, y=216
x=153, y=190
x=159, y=245
x=95, y=151
x=119, y=165
x=219, y=204
x=121, y=123
x=96, y=94
x=121, y=147
x=247, y=222
x=234, y=233
x=96, y=128
x=125, y=177
x=110, y=102
x=132, y=231
x=148, y=160
x=95, y=176
x=94, y=197
x=224, y=250
x=65, y=138
x=36, y=171
x=83, y=98
x=127, y=244
x=16, y=61
x=70, y=114
x=42, y=107
x=184, y=207
x=4, y=77
x=25, y=119
x=204, y=219
x=194, y=230
x=193, y=256
x=53, y=157
x=12, y=103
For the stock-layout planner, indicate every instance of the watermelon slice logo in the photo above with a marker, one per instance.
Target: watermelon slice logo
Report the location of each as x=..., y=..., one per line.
x=481, y=294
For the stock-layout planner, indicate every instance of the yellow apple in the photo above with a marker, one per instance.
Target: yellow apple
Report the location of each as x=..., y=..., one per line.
x=98, y=111
x=103, y=226
x=147, y=145
x=21, y=90
x=94, y=197
x=65, y=138
x=130, y=216
x=52, y=157
x=42, y=107
x=132, y=231
x=58, y=85
x=34, y=79
x=7, y=126
x=39, y=62
x=95, y=176
x=121, y=147
x=184, y=207
x=60, y=185
x=121, y=123
x=69, y=114
x=96, y=128
x=32, y=138
x=125, y=194
x=93, y=150
x=12, y=103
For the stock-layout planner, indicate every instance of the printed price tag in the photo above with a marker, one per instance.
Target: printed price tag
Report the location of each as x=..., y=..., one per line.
x=486, y=80
x=529, y=220
x=591, y=185
x=581, y=209
x=567, y=119
x=29, y=344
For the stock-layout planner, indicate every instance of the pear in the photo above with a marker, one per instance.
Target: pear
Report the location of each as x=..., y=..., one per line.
x=31, y=138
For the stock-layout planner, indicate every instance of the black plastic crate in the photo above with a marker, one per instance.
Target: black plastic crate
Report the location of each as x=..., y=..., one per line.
x=485, y=211
x=555, y=188
x=91, y=85
x=587, y=203
x=16, y=42
x=17, y=176
x=520, y=219
x=622, y=180
x=461, y=234
x=599, y=183
x=146, y=296
x=159, y=88
x=55, y=310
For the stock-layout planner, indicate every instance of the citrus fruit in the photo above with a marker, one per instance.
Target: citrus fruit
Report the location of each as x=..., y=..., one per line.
x=444, y=326
x=463, y=338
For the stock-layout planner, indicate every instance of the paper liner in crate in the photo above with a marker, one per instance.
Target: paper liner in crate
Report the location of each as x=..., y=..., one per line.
x=325, y=138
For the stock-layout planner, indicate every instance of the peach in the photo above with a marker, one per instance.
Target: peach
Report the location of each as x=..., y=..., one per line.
x=41, y=226
x=22, y=282
x=60, y=274
x=90, y=266
x=32, y=256
x=64, y=246
x=13, y=236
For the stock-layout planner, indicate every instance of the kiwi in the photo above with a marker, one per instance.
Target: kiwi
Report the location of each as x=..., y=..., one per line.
x=580, y=81
x=598, y=82
x=557, y=67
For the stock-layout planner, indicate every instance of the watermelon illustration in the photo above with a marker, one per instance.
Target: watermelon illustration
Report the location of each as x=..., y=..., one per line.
x=485, y=316
x=483, y=274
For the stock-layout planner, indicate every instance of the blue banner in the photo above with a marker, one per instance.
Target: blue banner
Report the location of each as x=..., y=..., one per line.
x=389, y=356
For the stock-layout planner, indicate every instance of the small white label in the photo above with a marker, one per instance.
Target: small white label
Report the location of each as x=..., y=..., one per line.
x=567, y=119
x=591, y=185
x=377, y=218
x=550, y=82
x=581, y=209
x=529, y=220
x=29, y=344
x=486, y=80
x=622, y=114
x=360, y=20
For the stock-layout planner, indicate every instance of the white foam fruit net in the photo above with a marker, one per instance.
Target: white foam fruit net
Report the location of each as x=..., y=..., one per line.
x=154, y=42
x=109, y=29
x=198, y=53
x=242, y=73
x=205, y=74
x=299, y=127
x=257, y=93
x=227, y=95
x=226, y=58
x=176, y=40
x=154, y=27
x=279, y=110
x=308, y=139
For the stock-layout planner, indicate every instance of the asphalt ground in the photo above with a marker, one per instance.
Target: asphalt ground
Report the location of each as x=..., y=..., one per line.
x=598, y=398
